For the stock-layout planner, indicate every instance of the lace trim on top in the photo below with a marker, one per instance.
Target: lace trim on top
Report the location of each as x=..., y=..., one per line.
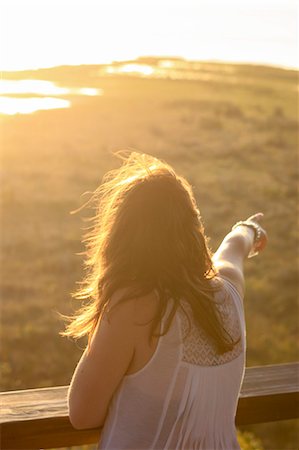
x=197, y=346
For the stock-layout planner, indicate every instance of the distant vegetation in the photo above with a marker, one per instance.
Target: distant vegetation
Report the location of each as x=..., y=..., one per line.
x=232, y=133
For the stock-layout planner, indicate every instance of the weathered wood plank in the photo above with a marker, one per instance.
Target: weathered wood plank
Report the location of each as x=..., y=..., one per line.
x=268, y=394
x=38, y=418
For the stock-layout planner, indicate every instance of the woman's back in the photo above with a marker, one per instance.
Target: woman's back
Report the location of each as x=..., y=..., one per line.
x=148, y=232
x=185, y=397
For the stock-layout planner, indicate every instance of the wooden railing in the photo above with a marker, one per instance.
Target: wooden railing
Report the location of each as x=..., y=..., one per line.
x=38, y=418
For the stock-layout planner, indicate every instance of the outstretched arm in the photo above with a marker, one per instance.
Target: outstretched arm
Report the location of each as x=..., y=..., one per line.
x=235, y=248
x=230, y=255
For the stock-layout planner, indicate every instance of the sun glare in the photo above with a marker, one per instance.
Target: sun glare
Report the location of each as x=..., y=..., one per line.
x=166, y=64
x=11, y=105
x=140, y=69
x=41, y=87
x=249, y=31
x=89, y=91
x=38, y=87
x=46, y=92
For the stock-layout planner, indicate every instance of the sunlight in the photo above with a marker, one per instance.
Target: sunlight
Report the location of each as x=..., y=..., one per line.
x=89, y=91
x=134, y=177
x=248, y=31
x=38, y=87
x=141, y=69
x=166, y=64
x=26, y=105
x=176, y=69
x=12, y=105
x=41, y=87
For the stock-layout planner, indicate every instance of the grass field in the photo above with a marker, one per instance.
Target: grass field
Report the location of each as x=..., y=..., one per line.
x=232, y=133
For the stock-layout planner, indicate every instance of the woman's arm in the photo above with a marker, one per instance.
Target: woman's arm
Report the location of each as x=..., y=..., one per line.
x=100, y=371
x=229, y=257
x=235, y=248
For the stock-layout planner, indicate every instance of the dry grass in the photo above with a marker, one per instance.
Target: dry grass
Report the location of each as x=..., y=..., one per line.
x=234, y=139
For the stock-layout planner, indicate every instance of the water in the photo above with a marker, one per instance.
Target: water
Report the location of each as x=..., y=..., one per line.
x=28, y=96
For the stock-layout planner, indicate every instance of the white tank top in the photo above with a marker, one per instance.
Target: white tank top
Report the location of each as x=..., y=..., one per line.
x=186, y=396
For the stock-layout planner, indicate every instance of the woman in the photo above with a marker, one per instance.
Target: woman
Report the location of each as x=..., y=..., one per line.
x=166, y=350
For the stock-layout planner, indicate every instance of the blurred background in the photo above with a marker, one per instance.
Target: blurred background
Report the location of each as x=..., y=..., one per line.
x=209, y=86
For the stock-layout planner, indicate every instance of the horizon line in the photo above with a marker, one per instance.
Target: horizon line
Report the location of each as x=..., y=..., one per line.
x=169, y=57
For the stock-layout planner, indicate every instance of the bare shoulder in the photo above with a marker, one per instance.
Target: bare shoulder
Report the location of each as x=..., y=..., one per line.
x=136, y=309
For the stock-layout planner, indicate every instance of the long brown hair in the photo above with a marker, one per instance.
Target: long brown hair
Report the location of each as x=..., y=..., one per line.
x=147, y=234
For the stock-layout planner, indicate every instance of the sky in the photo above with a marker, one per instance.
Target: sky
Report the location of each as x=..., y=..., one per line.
x=43, y=33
